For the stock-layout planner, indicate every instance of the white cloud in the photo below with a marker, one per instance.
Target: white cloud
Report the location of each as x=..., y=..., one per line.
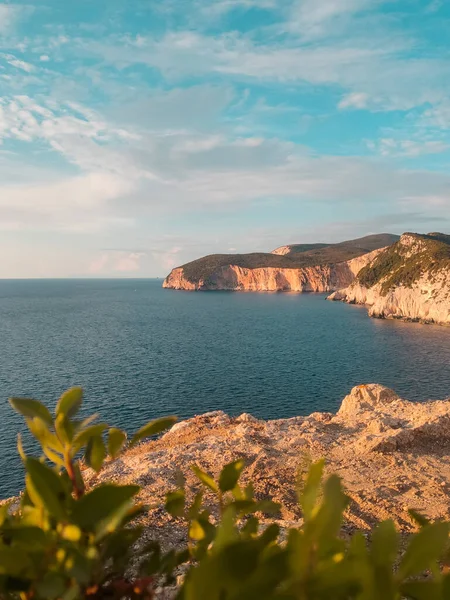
x=116, y=262
x=407, y=148
x=98, y=265
x=437, y=116
x=313, y=19
x=77, y=204
x=219, y=7
x=44, y=58
x=371, y=68
x=435, y=6
x=21, y=64
x=354, y=100
x=8, y=17
x=129, y=263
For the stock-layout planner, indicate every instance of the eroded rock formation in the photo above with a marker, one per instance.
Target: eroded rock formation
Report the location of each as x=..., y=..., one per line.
x=324, y=278
x=391, y=453
x=412, y=284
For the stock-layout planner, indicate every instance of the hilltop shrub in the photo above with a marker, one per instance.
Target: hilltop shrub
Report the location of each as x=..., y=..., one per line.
x=68, y=542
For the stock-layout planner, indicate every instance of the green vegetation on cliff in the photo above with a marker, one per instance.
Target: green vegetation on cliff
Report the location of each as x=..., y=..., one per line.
x=304, y=255
x=403, y=264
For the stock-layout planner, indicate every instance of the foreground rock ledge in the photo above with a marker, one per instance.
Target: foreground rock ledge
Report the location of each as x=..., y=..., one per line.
x=392, y=455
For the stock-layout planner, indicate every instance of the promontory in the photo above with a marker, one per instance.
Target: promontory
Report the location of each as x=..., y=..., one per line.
x=410, y=280
x=297, y=268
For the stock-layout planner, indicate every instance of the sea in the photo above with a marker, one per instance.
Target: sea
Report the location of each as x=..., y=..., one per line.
x=141, y=352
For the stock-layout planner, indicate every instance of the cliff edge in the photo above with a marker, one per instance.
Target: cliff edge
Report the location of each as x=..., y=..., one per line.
x=392, y=455
x=410, y=280
x=297, y=268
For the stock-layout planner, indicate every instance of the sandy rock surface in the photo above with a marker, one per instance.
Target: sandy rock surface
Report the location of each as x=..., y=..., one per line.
x=392, y=455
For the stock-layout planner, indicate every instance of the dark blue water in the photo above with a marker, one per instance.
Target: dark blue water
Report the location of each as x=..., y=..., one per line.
x=141, y=352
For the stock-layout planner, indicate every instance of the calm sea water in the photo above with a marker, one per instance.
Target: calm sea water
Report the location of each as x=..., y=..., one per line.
x=141, y=352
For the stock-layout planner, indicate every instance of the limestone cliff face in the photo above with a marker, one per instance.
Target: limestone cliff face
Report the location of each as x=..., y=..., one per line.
x=282, y=250
x=426, y=299
x=324, y=278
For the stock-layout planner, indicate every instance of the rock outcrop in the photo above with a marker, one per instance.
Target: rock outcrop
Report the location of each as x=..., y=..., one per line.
x=282, y=250
x=410, y=281
x=297, y=267
x=320, y=278
x=392, y=455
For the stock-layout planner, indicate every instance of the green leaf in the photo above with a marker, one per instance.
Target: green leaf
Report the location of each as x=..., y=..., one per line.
x=175, y=503
x=226, y=531
x=230, y=475
x=26, y=534
x=20, y=448
x=47, y=488
x=64, y=429
x=309, y=495
x=51, y=586
x=418, y=518
x=152, y=428
x=13, y=561
x=384, y=544
x=326, y=522
x=425, y=548
x=101, y=503
x=70, y=402
x=42, y=433
x=82, y=438
x=116, y=441
x=31, y=408
x=247, y=507
x=95, y=453
x=85, y=422
x=3, y=513
x=383, y=554
x=53, y=456
x=422, y=590
x=205, y=478
x=196, y=531
x=196, y=506
x=251, y=527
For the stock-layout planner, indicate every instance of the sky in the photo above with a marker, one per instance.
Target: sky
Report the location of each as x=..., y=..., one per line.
x=137, y=136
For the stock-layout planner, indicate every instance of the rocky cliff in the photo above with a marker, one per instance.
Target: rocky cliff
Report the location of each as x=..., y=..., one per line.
x=410, y=281
x=392, y=455
x=317, y=278
x=298, y=267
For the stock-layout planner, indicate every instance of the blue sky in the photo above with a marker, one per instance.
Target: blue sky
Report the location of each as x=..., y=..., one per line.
x=138, y=135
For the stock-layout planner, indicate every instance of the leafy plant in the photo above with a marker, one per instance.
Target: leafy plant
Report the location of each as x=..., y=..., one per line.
x=65, y=541
x=71, y=541
x=240, y=559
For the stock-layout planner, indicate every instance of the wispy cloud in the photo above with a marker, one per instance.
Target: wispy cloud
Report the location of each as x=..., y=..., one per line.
x=408, y=148
x=8, y=17
x=354, y=100
x=190, y=128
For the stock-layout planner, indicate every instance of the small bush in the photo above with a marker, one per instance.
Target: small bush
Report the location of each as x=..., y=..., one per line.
x=65, y=541
x=69, y=543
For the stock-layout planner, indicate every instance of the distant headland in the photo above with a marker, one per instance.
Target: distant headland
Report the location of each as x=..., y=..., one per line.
x=405, y=277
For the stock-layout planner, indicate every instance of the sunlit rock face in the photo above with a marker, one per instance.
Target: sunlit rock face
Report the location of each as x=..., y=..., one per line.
x=272, y=279
x=416, y=287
